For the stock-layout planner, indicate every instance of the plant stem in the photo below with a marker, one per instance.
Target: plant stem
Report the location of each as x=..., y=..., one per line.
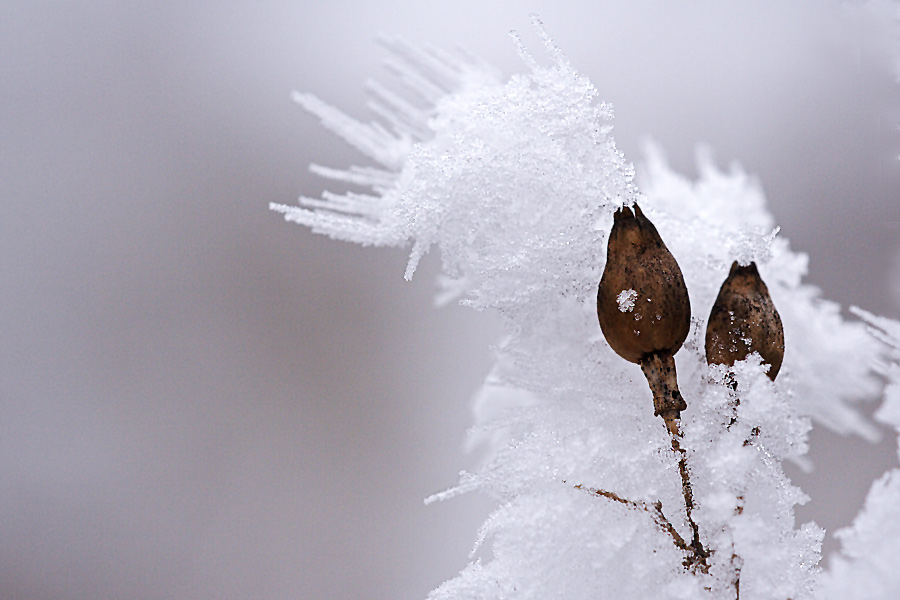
x=659, y=369
x=700, y=554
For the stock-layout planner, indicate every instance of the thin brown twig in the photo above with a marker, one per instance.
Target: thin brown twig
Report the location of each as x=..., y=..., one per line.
x=737, y=562
x=654, y=510
x=700, y=554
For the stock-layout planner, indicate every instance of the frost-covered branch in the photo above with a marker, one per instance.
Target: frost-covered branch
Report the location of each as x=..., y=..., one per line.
x=517, y=184
x=655, y=511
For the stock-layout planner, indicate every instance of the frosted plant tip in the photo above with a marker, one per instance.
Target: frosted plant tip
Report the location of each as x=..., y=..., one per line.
x=526, y=56
x=552, y=49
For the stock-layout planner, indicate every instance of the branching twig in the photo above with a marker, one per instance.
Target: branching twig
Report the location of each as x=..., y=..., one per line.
x=697, y=555
x=654, y=510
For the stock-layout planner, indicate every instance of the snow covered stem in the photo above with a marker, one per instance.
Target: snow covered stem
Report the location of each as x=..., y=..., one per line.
x=640, y=267
x=699, y=554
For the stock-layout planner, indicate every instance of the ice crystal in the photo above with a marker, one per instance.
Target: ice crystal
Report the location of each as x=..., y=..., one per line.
x=866, y=568
x=515, y=183
x=626, y=299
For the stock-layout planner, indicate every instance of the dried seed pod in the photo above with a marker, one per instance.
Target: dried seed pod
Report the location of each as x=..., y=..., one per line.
x=744, y=320
x=643, y=305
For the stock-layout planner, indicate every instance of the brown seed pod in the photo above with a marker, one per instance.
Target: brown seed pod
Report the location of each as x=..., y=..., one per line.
x=744, y=320
x=643, y=305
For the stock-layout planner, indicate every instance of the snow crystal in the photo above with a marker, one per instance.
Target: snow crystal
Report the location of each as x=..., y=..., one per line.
x=867, y=564
x=866, y=568
x=626, y=301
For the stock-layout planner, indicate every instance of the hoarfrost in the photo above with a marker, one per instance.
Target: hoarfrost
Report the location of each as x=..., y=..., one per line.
x=866, y=567
x=626, y=300
x=516, y=184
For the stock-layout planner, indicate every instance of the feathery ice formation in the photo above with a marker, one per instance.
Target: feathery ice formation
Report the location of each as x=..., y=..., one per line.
x=517, y=184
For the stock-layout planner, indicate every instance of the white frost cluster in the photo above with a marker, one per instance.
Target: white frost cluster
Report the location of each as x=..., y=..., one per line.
x=866, y=568
x=626, y=299
x=516, y=183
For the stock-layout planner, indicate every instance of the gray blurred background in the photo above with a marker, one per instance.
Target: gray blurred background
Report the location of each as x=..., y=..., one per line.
x=198, y=400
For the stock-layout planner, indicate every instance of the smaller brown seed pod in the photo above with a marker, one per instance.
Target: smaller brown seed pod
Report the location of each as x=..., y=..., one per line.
x=643, y=306
x=744, y=320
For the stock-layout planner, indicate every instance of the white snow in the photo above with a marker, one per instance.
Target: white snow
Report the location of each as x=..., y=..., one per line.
x=626, y=300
